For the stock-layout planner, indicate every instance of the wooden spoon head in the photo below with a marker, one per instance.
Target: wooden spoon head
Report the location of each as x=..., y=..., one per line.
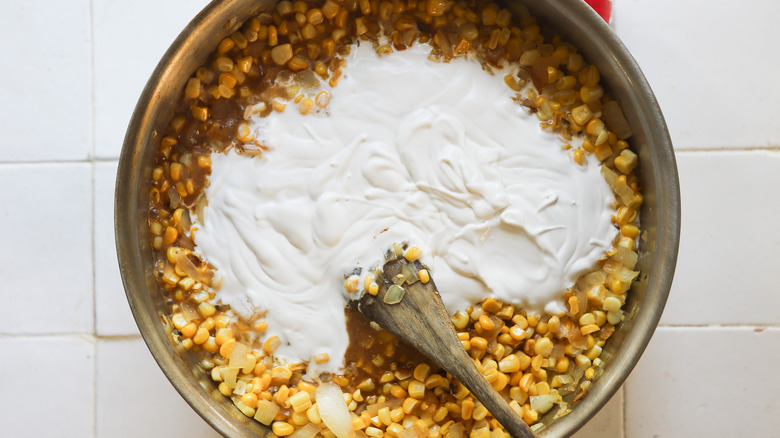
x=419, y=315
x=420, y=320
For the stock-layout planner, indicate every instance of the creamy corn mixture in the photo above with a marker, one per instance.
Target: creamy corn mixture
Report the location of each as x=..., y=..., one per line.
x=541, y=361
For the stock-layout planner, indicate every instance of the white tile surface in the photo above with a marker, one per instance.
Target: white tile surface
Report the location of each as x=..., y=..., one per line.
x=46, y=236
x=48, y=386
x=608, y=422
x=727, y=266
x=711, y=65
x=112, y=313
x=130, y=39
x=706, y=382
x=134, y=399
x=46, y=80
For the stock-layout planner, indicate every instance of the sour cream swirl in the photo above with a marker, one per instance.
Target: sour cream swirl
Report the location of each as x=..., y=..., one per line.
x=438, y=155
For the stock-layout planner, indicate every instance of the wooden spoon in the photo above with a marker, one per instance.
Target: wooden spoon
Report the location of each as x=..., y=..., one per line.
x=421, y=321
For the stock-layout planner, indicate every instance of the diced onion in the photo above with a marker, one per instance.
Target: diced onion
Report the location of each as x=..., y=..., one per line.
x=333, y=410
x=557, y=351
x=308, y=431
x=455, y=431
x=625, y=256
x=174, y=198
x=394, y=295
x=610, y=176
x=619, y=271
x=592, y=279
x=238, y=357
x=392, y=404
x=409, y=272
x=615, y=119
x=189, y=311
x=185, y=220
x=543, y=403
x=185, y=264
x=414, y=432
x=230, y=376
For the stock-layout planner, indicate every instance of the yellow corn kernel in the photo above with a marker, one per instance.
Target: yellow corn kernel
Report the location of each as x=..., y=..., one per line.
x=574, y=305
x=466, y=409
x=578, y=155
x=602, y=152
x=225, y=45
x=593, y=352
x=526, y=382
x=281, y=428
x=297, y=63
x=206, y=309
x=351, y=283
x=225, y=389
x=271, y=344
x=189, y=330
x=228, y=79
x=201, y=336
x=227, y=347
x=171, y=234
x=625, y=215
x=587, y=318
x=416, y=389
x=566, y=83
x=600, y=317
x=374, y=432
x=478, y=343
x=486, y=323
x=581, y=114
x=260, y=326
x=460, y=319
x=591, y=94
x=306, y=106
x=562, y=365
x=543, y=347
x=513, y=83
x=250, y=400
x=313, y=414
x=199, y=113
x=434, y=381
x=413, y=254
x=626, y=162
x=210, y=345
x=612, y=304
x=595, y=127
x=301, y=401
x=192, y=90
x=509, y=364
x=588, y=329
x=223, y=335
x=278, y=105
x=631, y=231
x=321, y=358
x=409, y=405
x=179, y=321
x=424, y=276
x=223, y=64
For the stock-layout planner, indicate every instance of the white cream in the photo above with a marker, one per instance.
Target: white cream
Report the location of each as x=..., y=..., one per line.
x=434, y=154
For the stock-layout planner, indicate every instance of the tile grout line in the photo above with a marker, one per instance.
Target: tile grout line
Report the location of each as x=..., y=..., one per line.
x=64, y=162
x=624, y=414
x=95, y=159
x=93, y=162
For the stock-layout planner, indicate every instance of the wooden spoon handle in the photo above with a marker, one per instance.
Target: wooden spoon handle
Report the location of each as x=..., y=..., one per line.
x=422, y=314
